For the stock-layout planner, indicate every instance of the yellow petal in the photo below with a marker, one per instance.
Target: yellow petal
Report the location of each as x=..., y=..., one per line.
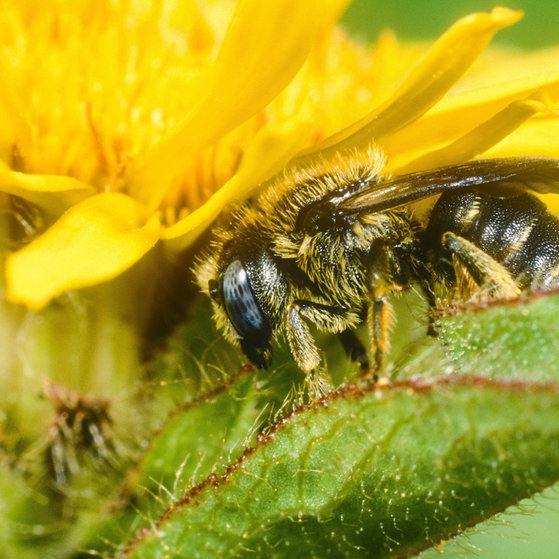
x=539, y=137
x=457, y=114
x=513, y=70
x=92, y=242
x=53, y=193
x=433, y=76
x=475, y=141
x=270, y=149
x=248, y=73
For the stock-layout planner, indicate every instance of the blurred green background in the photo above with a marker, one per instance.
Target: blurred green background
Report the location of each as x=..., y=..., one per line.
x=533, y=530
x=428, y=18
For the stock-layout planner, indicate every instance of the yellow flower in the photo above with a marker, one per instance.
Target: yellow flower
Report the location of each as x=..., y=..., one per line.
x=122, y=118
x=132, y=124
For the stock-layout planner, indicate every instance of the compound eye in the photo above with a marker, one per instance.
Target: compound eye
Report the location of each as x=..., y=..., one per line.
x=241, y=306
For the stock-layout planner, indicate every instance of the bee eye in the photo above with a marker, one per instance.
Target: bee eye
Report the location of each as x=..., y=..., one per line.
x=242, y=308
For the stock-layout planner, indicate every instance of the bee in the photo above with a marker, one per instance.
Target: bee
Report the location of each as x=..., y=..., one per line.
x=331, y=244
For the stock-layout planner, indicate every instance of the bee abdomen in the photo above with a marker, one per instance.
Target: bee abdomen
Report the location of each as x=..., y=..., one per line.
x=517, y=231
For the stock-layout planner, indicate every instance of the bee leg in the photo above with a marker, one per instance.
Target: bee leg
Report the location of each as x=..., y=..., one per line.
x=380, y=320
x=300, y=340
x=299, y=337
x=485, y=270
x=432, y=302
x=385, y=278
x=354, y=349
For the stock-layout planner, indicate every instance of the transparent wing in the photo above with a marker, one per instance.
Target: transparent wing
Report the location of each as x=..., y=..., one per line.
x=502, y=177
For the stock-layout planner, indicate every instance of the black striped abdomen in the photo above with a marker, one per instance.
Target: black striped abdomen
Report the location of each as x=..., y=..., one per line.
x=516, y=231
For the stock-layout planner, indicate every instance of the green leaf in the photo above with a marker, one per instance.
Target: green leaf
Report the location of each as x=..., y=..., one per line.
x=370, y=473
x=378, y=471
x=200, y=437
x=517, y=339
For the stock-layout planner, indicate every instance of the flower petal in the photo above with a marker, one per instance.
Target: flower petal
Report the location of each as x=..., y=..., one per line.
x=53, y=193
x=246, y=76
x=433, y=76
x=475, y=141
x=271, y=148
x=92, y=242
x=457, y=114
x=538, y=137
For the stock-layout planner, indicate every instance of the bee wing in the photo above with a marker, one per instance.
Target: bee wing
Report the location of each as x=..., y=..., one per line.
x=503, y=177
